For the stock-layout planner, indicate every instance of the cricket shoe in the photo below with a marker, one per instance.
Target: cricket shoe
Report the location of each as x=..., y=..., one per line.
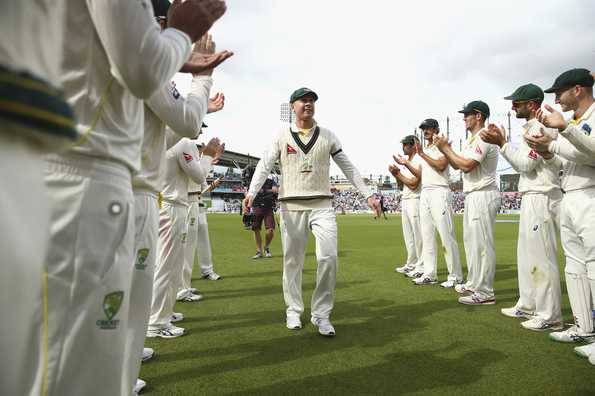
x=513, y=312
x=139, y=386
x=571, y=335
x=212, y=276
x=189, y=297
x=193, y=290
x=293, y=322
x=414, y=274
x=449, y=284
x=462, y=289
x=476, y=299
x=258, y=255
x=170, y=331
x=404, y=269
x=585, y=351
x=424, y=280
x=176, y=317
x=147, y=354
x=324, y=325
x=537, y=324
x=267, y=253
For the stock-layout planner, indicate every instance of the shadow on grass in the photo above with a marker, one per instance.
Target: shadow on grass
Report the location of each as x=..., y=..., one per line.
x=371, y=324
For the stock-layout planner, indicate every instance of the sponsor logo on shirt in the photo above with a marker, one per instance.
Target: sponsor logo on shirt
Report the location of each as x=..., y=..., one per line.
x=174, y=91
x=291, y=150
x=533, y=154
x=478, y=150
x=187, y=157
x=587, y=129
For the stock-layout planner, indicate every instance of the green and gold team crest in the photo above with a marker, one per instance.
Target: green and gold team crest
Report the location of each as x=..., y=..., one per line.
x=111, y=305
x=141, y=259
x=192, y=221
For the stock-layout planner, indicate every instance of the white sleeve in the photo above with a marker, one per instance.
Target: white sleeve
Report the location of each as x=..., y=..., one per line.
x=142, y=57
x=583, y=142
x=566, y=150
x=522, y=159
x=351, y=173
x=480, y=151
x=183, y=115
x=194, y=167
x=264, y=167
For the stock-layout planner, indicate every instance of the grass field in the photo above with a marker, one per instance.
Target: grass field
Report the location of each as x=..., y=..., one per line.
x=392, y=337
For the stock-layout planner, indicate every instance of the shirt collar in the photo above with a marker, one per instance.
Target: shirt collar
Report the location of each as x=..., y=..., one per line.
x=585, y=116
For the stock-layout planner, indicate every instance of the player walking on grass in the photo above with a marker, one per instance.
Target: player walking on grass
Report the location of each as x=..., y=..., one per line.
x=539, y=279
x=410, y=206
x=478, y=162
x=574, y=91
x=304, y=152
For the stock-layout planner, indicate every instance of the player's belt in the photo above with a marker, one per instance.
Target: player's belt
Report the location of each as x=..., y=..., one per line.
x=31, y=101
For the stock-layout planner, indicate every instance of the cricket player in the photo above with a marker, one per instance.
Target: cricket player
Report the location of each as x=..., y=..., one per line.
x=410, y=206
x=197, y=242
x=304, y=152
x=35, y=120
x=574, y=91
x=478, y=162
x=436, y=211
x=183, y=161
x=540, y=296
x=114, y=58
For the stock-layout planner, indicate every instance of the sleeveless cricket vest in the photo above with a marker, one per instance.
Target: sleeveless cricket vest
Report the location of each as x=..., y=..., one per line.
x=305, y=167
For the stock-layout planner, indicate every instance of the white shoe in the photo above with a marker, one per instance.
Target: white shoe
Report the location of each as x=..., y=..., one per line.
x=193, y=290
x=293, y=322
x=176, y=317
x=139, y=386
x=325, y=327
x=462, y=289
x=212, y=276
x=570, y=335
x=449, y=284
x=585, y=351
x=190, y=297
x=424, y=280
x=538, y=324
x=476, y=299
x=414, y=274
x=513, y=312
x=404, y=269
x=148, y=353
x=257, y=255
x=167, y=332
x=267, y=253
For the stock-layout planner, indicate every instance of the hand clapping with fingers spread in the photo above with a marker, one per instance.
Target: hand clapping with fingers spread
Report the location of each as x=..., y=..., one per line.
x=216, y=103
x=399, y=159
x=552, y=119
x=203, y=58
x=493, y=135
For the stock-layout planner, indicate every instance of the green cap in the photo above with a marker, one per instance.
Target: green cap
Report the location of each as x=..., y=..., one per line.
x=409, y=139
x=477, y=106
x=526, y=93
x=571, y=78
x=300, y=93
x=429, y=123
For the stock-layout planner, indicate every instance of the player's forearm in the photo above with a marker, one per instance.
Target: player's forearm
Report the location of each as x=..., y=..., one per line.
x=437, y=165
x=262, y=171
x=566, y=150
x=583, y=143
x=411, y=182
x=351, y=173
x=413, y=169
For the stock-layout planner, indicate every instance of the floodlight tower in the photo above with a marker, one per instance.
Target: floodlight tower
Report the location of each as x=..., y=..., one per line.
x=287, y=114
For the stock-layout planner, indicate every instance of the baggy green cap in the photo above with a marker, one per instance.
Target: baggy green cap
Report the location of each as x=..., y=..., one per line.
x=526, y=93
x=429, y=123
x=477, y=106
x=300, y=93
x=409, y=139
x=571, y=78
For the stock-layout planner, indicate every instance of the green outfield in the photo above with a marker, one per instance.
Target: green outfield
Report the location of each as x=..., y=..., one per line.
x=392, y=337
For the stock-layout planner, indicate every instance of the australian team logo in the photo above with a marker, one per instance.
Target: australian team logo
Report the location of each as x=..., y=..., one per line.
x=141, y=259
x=587, y=129
x=111, y=305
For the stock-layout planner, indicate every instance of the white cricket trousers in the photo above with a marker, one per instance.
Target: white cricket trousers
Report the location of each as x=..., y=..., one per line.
x=197, y=243
x=295, y=230
x=481, y=208
x=412, y=233
x=146, y=213
x=435, y=212
x=170, y=261
x=89, y=274
x=24, y=216
x=537, y=250
x=577, y=225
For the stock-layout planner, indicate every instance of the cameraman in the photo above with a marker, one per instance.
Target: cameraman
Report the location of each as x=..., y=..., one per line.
x=262, y=209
